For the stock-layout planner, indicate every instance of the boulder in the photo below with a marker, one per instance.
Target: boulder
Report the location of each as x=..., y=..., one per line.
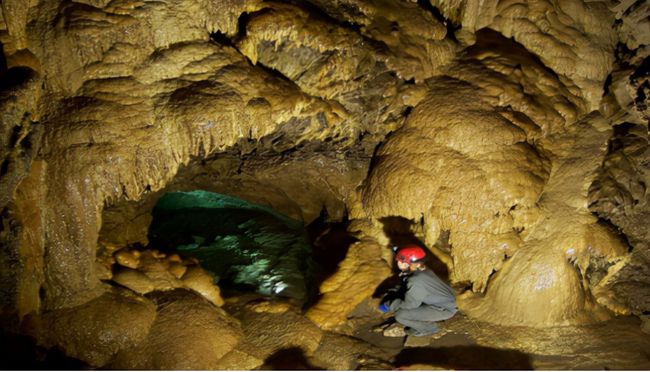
x=95, y=331
x=189, y=333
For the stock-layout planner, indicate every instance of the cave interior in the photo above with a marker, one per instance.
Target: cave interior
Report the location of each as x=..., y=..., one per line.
x=219, y=184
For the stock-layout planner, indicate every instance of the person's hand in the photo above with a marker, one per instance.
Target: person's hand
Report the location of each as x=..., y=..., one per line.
x=390, y=296
x=383, y=307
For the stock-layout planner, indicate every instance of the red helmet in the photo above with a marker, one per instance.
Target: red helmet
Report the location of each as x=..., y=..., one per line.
x=411, y=254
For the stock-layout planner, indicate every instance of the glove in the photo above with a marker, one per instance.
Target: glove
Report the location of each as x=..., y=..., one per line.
x=391, y=295
x=383, y=307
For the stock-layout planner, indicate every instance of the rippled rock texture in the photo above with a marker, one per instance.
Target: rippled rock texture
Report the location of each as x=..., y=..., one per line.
x=512, y=135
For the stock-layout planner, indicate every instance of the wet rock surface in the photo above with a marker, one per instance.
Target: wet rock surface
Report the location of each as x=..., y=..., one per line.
x=188, y=333
x=466, y=343
x=510, y=138
x=278, y=337
x=94, y=332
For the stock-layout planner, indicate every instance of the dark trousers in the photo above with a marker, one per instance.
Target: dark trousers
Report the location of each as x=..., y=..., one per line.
x=423, y=319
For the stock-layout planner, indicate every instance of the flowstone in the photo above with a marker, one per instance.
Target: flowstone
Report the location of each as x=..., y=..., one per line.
x=188, y=333
x=94, y=332
x=513, y=136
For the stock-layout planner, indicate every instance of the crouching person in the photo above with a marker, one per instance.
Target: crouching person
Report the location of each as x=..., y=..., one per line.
x=426, y=298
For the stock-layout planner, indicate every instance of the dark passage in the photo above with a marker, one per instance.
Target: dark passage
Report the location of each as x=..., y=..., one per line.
x=287, y=360
x=23, y=353
x=465, y=358
x=330, y=242
x=247, y=246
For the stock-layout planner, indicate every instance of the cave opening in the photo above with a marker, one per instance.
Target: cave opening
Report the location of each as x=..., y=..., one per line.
x=247, y=247
x=330, y=241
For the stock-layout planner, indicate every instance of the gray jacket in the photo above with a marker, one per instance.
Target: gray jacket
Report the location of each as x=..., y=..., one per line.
x=425, y=288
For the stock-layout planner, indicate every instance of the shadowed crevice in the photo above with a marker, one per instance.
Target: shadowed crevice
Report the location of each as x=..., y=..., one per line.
x=288, y=359
x=435, y=12
x=465, y=358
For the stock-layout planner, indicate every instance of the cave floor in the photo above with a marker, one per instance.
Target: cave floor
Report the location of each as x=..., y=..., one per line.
x=276, y=332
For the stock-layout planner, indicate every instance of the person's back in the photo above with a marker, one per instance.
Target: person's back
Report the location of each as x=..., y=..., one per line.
x=439, y=293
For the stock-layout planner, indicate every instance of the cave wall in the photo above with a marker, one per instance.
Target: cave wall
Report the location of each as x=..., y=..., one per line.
x=513, y=127
x=301, y=185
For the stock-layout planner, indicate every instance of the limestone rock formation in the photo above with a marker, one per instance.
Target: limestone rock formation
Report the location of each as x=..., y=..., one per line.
x=620, y=193
x=511, y=136
x=346, y=353
x=277, y=336
x=569, y=38
x=151, y=270
x=188, y=333
x=363, y=269
x=94, y=332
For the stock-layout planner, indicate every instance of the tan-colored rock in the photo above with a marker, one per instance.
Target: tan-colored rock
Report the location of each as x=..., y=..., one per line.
x=104, y=270
x=633, y=27
x=485, y=123
x=620, y=193
x=236, y=360
x=158, y=254
x=306, y=49
x=645, y=324
x=362, y=270
x=417, y=42
x=568, y=37
x=174, y=257
x=429, y=168
x=163, y=280
x=103, y=64
x=177, y=269
x=547, y=281
x=128, y=258
x=156, y=272
x=29, y=279
x=14, y=21
x=270, y=307
x=199, y=280
x=189, y=333
x=135, y=280
x=340, y=352
x=117, y=233
x=330, y=180
x=151, y=260
x=269, y=332
x=394, y=330
x=95, y=331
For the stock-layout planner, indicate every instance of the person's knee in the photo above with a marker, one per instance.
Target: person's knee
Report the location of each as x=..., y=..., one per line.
x=450, y=314
x=400, y=316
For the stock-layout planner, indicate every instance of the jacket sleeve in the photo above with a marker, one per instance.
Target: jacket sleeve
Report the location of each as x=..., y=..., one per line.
x=415, y=295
